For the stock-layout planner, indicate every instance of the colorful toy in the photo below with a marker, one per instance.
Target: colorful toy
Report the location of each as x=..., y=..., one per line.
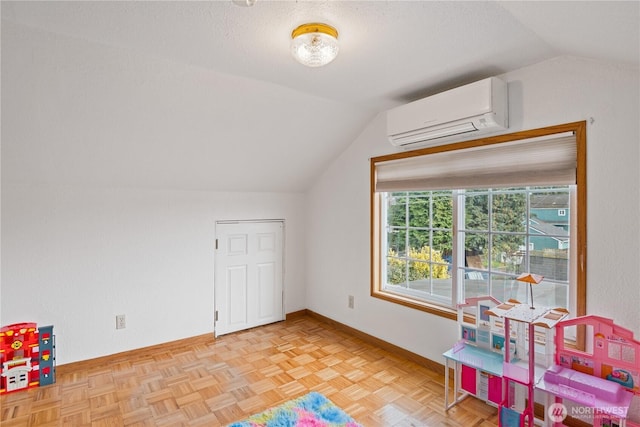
x=27, y=356
x=520, y=368
x=497, y=359
x=605, y=377
x=477, y=356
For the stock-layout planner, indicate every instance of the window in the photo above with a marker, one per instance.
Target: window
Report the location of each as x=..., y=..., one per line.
x=417, y=241
x=501, y=233
x=465, y=219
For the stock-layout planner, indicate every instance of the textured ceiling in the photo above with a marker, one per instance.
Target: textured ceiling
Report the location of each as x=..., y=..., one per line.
x=391, y=52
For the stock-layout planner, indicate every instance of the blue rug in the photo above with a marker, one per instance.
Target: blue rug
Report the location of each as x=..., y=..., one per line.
x=311, y=410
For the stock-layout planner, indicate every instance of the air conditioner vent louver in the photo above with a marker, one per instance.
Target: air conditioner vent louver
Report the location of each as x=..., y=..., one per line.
x=477, y=108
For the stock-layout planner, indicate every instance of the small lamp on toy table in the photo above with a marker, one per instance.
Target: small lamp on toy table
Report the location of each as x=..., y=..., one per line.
x=531, y=279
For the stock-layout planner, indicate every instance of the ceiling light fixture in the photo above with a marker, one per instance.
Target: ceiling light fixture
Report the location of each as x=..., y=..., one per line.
x=315, y=44
x=244, y=3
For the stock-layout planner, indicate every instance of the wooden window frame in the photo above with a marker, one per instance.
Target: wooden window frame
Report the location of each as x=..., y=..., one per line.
x=580, y=290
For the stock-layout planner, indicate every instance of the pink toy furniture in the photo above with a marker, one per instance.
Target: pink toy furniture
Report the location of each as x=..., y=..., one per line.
x=603, y=380
x=477, y=356
x=522, y=369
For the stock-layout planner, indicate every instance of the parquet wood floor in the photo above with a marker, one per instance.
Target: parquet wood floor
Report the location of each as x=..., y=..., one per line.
x=207, y=382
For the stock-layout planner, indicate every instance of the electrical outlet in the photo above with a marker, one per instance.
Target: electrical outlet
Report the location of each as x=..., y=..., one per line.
x=351, y=301
x=120, y=321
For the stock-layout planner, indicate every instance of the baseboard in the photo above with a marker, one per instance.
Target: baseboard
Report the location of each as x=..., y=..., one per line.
x=296, y=314
x=293, y=316
x=370, y=339
x=195, y=340
x=111, y=358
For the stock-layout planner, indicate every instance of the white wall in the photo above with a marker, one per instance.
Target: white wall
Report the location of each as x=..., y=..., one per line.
x=99, y=212
x=76, y=257
x=557, y=91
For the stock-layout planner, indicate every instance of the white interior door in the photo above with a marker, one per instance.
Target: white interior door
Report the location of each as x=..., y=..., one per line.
x=248, y=287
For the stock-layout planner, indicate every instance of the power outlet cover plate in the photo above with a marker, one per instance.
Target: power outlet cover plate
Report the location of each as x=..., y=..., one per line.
x=120, y=321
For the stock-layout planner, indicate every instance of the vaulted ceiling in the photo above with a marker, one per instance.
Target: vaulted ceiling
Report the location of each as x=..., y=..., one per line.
x=205, y=94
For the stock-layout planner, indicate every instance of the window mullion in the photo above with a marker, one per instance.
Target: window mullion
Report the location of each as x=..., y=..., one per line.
x=527, y=241
x=490, y=240
x=457, y=255
x=431, y=242
x=407, y=252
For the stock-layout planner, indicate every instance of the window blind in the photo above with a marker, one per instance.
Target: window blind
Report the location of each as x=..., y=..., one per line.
x=548, y=160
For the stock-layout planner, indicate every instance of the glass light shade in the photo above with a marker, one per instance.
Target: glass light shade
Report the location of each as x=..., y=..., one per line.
x=314, y=45
x=244, y=3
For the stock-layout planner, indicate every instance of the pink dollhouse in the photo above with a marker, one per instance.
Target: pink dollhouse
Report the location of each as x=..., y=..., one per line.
x=477, y=356
x=604, y=379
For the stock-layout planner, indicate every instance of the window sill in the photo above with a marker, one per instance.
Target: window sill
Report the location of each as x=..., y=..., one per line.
x=415, y=304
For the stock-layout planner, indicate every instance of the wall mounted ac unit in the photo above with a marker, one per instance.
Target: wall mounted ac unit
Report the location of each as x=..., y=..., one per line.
x=474, y=109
